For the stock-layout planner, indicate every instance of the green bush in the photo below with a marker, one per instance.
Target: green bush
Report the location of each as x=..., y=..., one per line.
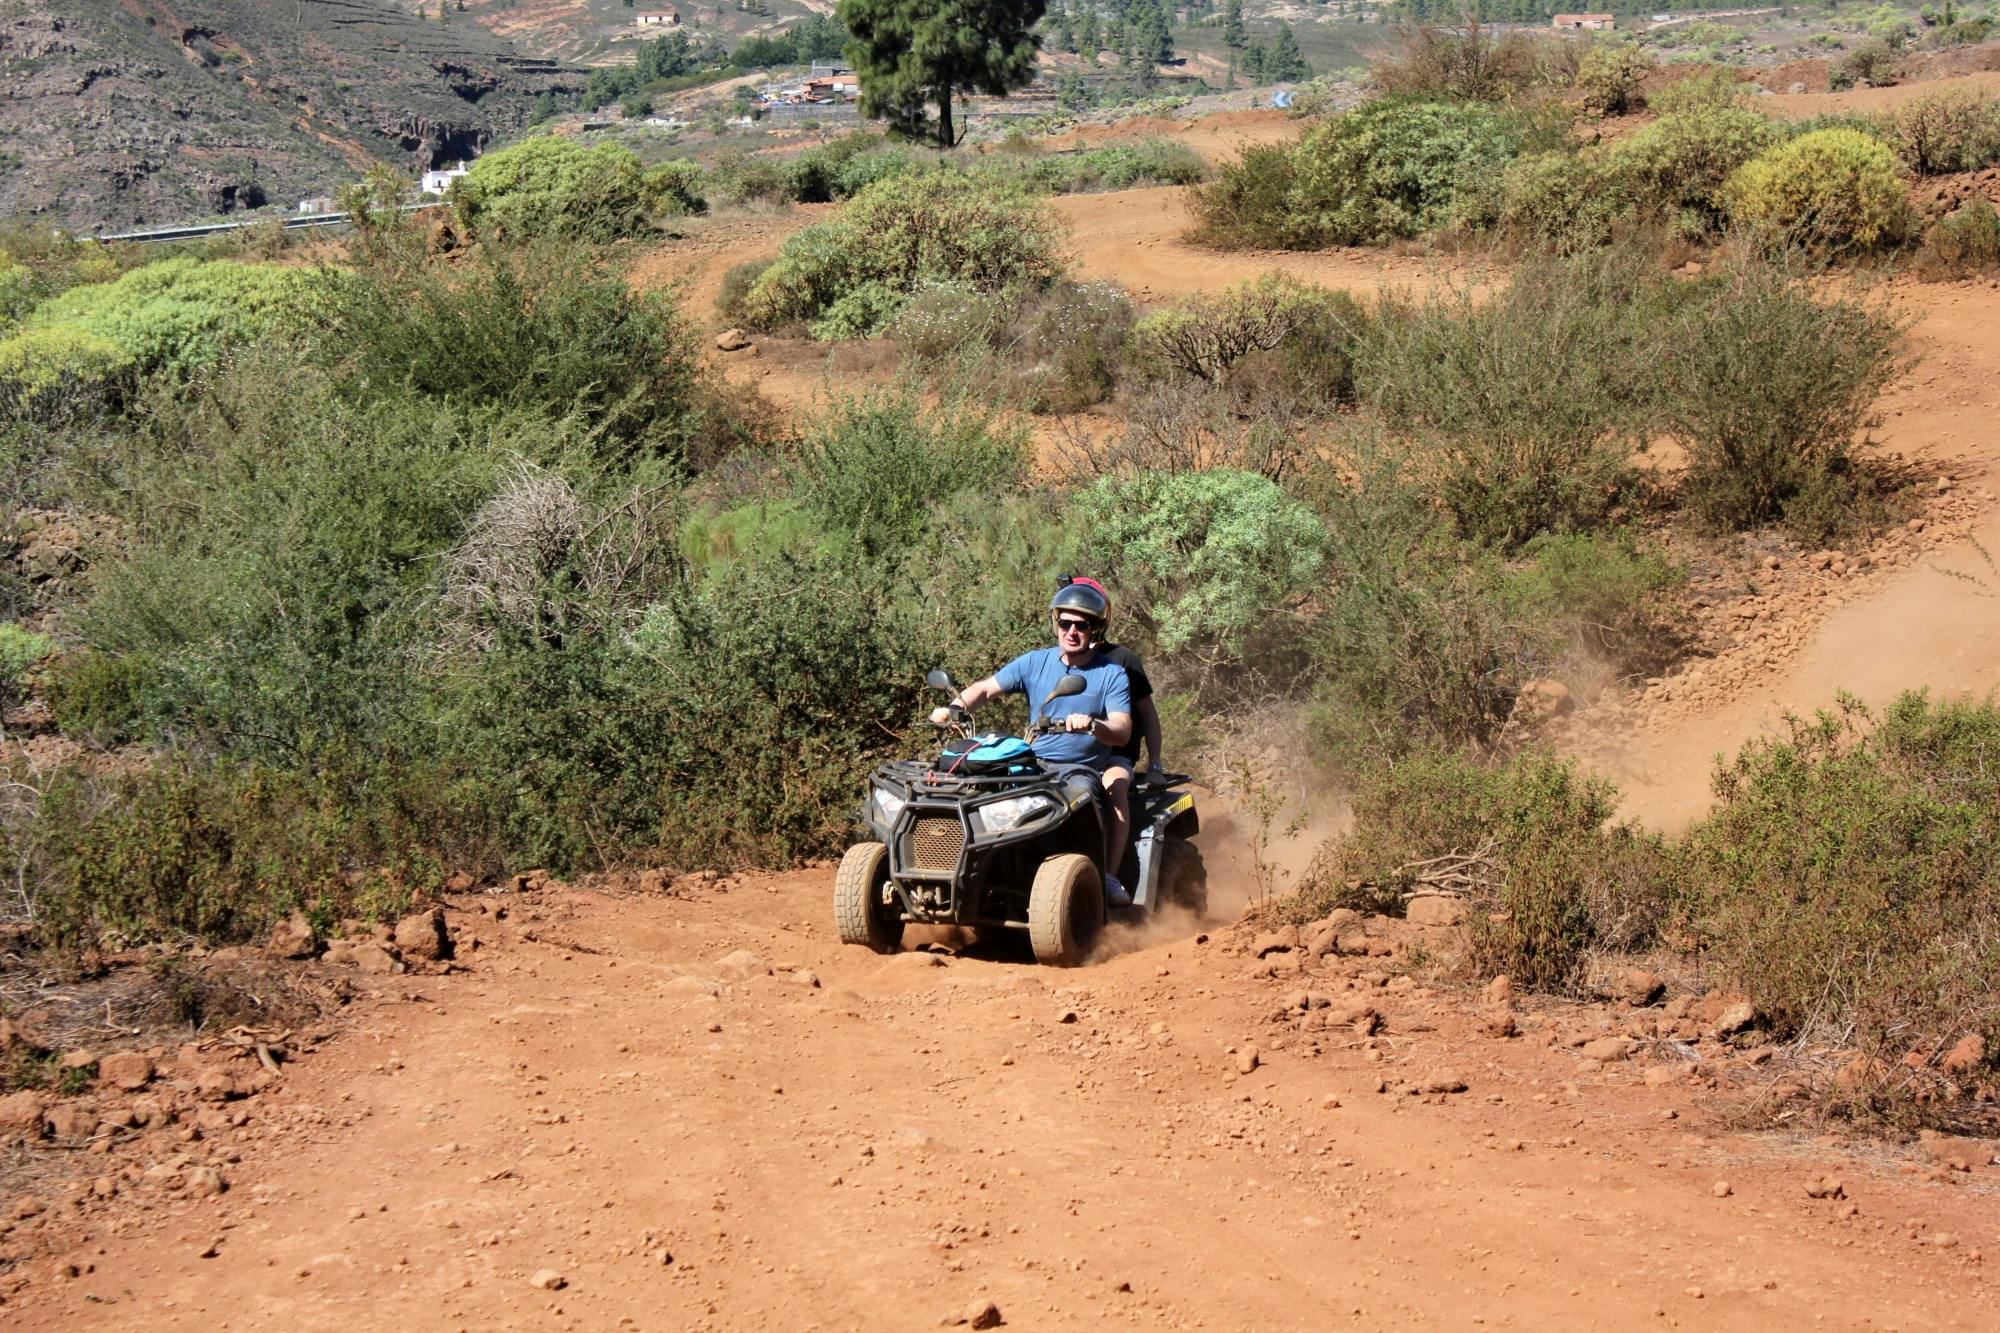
x=1765, y=382
x=1214, y=564
x=1610, y=75
x=862, y=170
x=171, y=319
x=1385, y=170
x=1392, y=169
x=1831, y=190
x=745, y=178
x=1963, y=242
x=17, y=290
x=1847, y=880
x=901, y=234
x=1564, y=201
x=546, y=187
x=1677, y=168
x=736, y=285
x=102, y=697
x=1248, y=203
x=220, y=852
x=22, y=651
x=1548, y=877
x=1596, y=603
x=1953, y=129
x=1423, y=639
x=550, y=328
x=37, y=263
x=50, y=375
x=878, y=465
x=859, y=312
x=1710, y=86
x=1413, y=646
x=1875, y=62
x=1113, y=167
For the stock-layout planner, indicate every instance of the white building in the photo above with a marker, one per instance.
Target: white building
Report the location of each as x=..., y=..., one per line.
x=662, y=18
x=438, y=181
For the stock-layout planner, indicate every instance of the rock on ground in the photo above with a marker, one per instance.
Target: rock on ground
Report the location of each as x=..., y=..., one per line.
x=424, y=935
x=292, y=938
x=128, y=1071
x=1435, y=909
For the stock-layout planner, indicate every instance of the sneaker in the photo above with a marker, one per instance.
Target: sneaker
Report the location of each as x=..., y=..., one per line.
x=1114, y=893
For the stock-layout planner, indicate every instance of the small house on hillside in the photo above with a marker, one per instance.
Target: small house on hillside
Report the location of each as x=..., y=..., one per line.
x=1584, y=22
x=659, y=18
x=438, y=181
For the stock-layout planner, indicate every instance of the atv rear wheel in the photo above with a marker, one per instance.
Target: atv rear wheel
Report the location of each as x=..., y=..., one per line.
x=1183, y=877
x=1065, y=910
x=864, y=907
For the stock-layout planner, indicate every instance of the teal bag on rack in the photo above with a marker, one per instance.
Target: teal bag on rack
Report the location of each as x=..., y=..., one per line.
x=986, y=755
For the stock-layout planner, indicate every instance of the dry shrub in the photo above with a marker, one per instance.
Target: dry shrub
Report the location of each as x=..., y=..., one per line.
x=1516, y=408
x=1186, y=425
x=1528, y=842
x=1962, y=243
x=1468, y=62
x=1765, y=382
x=1953, y=129
x=1209, y=337
x=1848, y=883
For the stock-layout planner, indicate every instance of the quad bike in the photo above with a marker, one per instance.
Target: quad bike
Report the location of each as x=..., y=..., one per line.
x=987, y=836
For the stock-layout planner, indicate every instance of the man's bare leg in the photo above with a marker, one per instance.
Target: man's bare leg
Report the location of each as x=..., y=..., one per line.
x=1118, y=787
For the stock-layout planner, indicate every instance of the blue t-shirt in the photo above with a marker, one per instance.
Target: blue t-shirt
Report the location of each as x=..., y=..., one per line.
x=1107, y=690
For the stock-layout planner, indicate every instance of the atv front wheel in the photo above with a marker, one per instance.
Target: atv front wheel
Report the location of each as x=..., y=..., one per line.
x=1065, y=910
x=1183, y=877
x=864, y=906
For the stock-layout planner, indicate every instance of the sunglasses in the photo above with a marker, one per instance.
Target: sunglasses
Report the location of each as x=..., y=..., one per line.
x=1075, y=626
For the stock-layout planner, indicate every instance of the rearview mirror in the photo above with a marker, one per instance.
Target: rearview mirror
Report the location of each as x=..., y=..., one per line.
x=940, y=679
x=1068, y=685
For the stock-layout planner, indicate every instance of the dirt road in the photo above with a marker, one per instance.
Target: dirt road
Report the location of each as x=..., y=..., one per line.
x=696, y=1138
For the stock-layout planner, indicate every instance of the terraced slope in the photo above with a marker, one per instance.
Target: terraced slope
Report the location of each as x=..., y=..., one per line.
x=130, y=112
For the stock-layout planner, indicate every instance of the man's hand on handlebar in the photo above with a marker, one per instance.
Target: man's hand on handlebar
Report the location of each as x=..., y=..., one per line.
x=1079, y=722
x=941, y=717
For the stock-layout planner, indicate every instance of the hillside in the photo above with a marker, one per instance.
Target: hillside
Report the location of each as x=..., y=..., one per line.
x=602, y=32
x=152, y=111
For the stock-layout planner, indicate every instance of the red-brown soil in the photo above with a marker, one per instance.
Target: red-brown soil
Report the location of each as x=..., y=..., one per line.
x=913, y=1135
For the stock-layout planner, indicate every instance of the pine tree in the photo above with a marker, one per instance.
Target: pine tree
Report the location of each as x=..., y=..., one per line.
x=910, y=54
x=1284, y=61
x=1089, y=42
x=1234, y=35
x=1152, y=40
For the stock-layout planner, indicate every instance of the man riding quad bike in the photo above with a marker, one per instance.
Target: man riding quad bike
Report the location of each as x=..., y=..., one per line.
x=1025, y=833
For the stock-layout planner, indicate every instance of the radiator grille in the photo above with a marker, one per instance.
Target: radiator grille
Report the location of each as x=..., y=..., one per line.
x=935, y=843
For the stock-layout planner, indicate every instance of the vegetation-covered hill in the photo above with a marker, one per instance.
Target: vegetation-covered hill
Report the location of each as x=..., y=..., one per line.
x=152, y=111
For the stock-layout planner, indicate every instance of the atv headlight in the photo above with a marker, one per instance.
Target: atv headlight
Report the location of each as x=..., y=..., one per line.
x=887, y=806
x=1001, y=816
